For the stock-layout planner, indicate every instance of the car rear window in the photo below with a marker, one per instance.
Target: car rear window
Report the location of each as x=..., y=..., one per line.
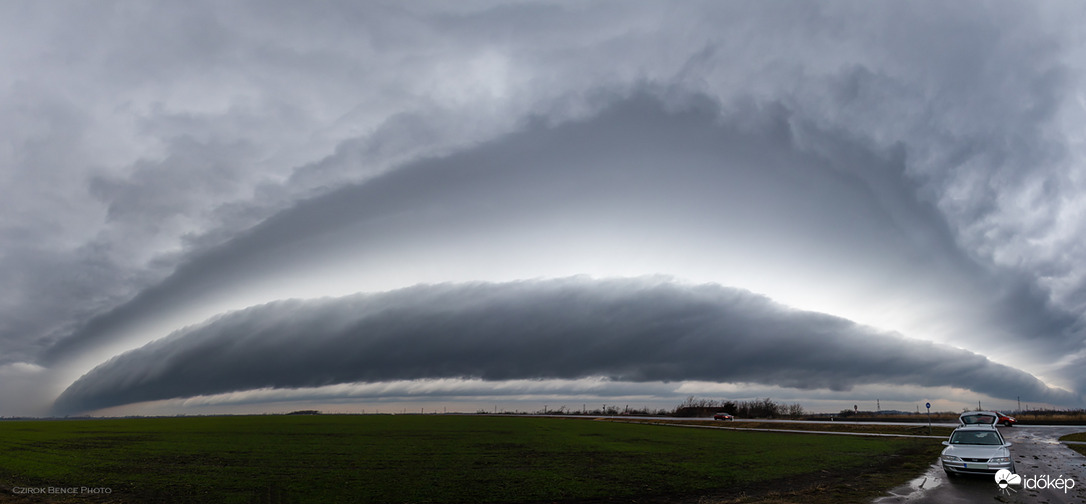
x=975, y=437
x=978, y=419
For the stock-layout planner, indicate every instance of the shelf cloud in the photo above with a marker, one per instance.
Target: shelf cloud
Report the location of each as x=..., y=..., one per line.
x=906, y=174
x=636, y=330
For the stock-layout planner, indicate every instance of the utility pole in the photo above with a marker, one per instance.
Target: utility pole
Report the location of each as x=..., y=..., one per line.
x=1019, y=404
x=878, y=406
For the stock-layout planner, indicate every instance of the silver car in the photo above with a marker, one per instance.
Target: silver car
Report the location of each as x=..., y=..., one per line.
x=976, y=449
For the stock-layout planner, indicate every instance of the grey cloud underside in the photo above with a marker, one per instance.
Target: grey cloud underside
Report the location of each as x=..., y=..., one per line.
x=918, y=161
x=657, y=172
x=630, y=330
x=690, y=174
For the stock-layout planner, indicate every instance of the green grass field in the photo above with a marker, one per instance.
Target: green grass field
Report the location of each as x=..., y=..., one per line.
x=1079, y=436
x=330, y=458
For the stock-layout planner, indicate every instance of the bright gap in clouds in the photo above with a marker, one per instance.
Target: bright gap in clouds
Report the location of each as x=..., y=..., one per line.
x=635, y=191
x=572, y=396
x=692, y=191
x=914, y=170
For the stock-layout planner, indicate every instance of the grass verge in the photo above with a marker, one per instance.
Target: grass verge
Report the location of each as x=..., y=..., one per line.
x=1078, y=436
x=448, y=459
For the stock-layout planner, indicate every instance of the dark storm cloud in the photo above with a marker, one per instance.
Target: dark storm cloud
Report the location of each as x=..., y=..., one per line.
x=678, y=167
x=640, y=168
x=627, y=330
x=909, y=153
x=47, y=283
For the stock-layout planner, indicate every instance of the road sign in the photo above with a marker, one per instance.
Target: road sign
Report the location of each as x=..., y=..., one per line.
x=927, y=405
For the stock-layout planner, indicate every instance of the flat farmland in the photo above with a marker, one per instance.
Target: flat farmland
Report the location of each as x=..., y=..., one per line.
x=439, y=459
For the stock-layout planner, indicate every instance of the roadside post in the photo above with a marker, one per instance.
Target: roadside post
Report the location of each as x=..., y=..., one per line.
x=928, y=406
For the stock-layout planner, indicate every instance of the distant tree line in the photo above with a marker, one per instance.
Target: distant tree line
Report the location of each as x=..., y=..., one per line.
x=758, y=408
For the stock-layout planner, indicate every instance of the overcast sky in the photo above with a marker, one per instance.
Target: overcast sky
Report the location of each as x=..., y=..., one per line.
x=252, y=207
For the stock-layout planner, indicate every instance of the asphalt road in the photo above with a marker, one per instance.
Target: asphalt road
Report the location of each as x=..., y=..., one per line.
x=1038, y=456
x=725, y=423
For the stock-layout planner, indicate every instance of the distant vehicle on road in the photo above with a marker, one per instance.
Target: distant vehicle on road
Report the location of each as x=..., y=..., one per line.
x=1006, y=420
x=723, y=416
x=978, y=418
x=976, y=449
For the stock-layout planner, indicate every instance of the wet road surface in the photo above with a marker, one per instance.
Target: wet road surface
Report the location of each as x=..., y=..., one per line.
x=1038, y=456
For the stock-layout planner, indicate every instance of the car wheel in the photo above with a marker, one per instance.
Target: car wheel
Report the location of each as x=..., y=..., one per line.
x=1007, y=424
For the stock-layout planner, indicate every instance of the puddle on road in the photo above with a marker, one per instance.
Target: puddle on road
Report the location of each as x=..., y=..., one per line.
x=1037, y=453
x=915, y=489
